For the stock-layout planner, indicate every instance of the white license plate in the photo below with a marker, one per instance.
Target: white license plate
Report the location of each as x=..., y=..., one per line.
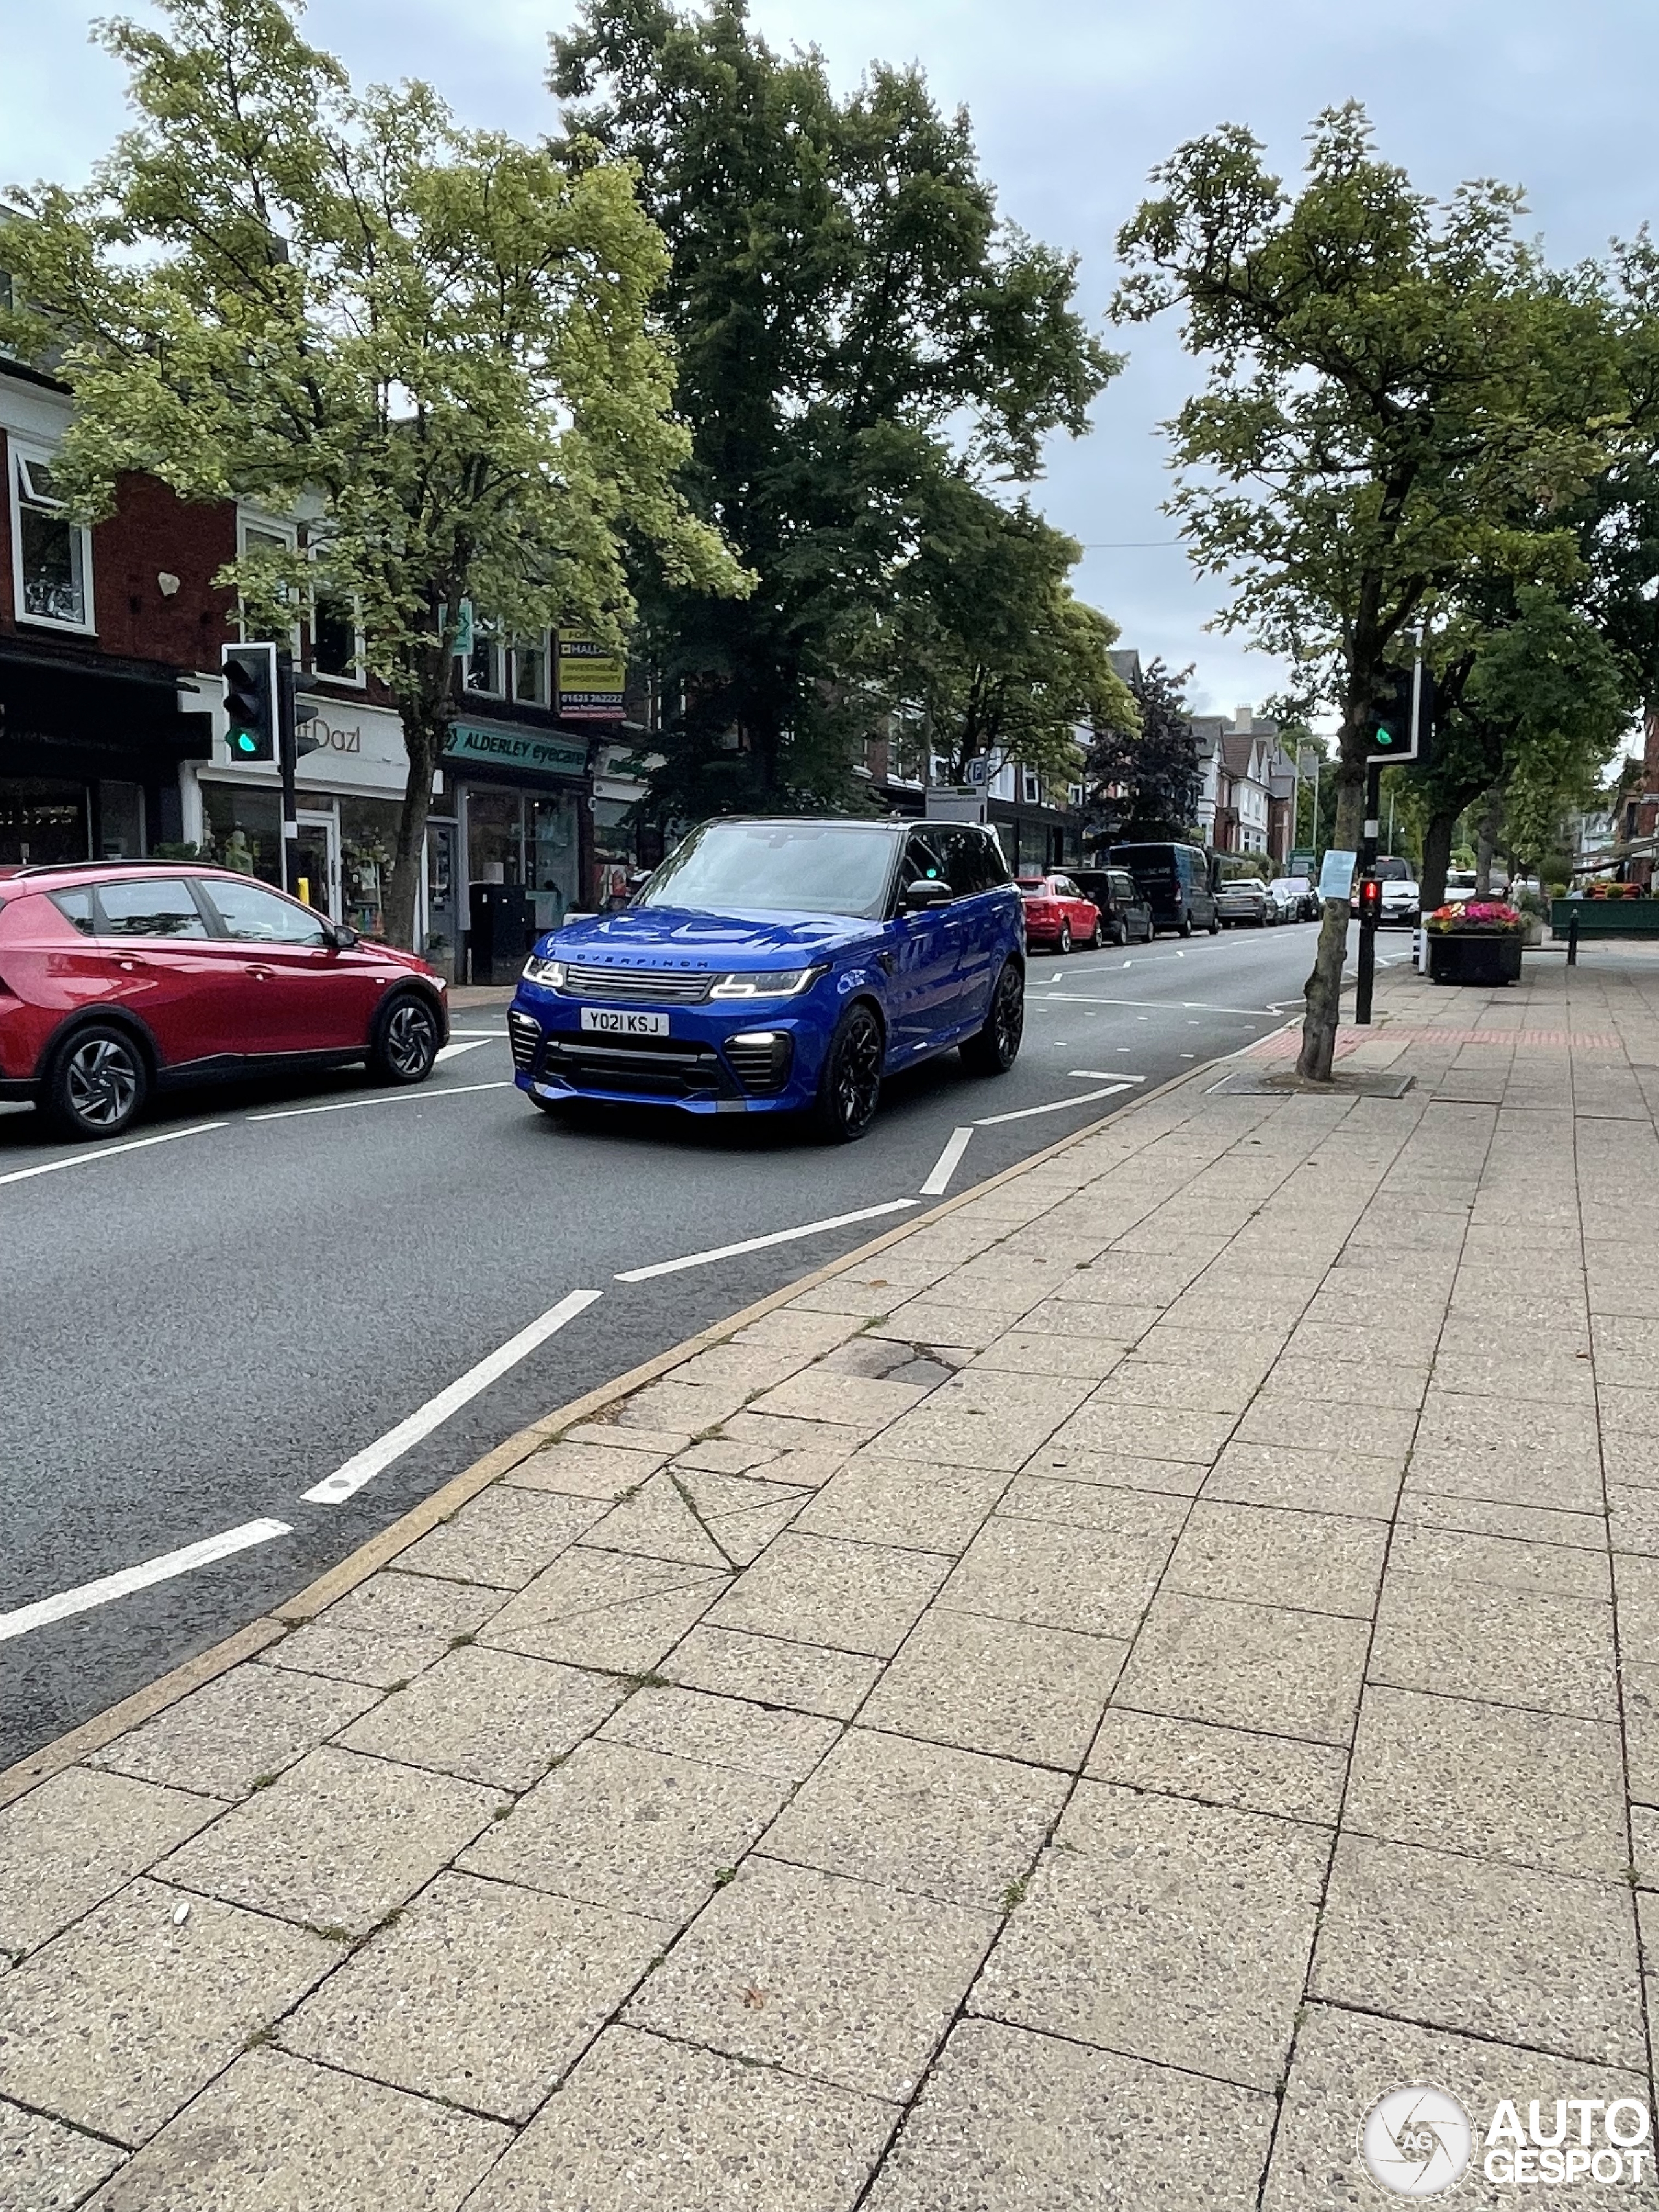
x=623, y=1021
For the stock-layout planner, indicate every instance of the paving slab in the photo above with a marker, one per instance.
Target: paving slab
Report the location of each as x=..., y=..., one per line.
x=386, y=1631
x=1175, y=1931
x=606, y=1610
x=503, y=1538
x=117, y=2023
x=336, y=1843
x=1012, y=2118
x=773, y=1671
x=945, y=1822
x=78, y=1839
x=641, y=1830
x=1482, y=1640
x=998, y=1685
x=1050, y=1575
x=1319, y=1561
x=984, y=1419
x=277, y=2131
x=759, y=1739
x=1248, y=1665
x=1241, y=1768
x=878, y=1500
x=1487, y=1779
x=825, y=1589
x=645, y=2124
x=482, y=1994
x=1468, y=1944
x=585, y=1470
x=488, y=1717
x=242, y=1729
x=846, y=1981
x=1364, y=1485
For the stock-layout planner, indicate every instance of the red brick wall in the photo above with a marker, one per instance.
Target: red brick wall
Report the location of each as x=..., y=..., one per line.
x=150, y=533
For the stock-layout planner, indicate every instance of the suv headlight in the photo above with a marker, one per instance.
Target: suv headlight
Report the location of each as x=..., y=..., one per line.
x=550, y=972
x=770, y=983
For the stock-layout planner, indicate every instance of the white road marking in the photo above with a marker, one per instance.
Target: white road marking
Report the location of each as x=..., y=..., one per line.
x=1168, y=1006
x=86, y=1159
x=158, y=1570
x=759, y=1243
x=362, y=1467
x=389, y=1098
x=467, y=1044
x=1107, y=1075
x=946, y=1164
x=1055, y=1106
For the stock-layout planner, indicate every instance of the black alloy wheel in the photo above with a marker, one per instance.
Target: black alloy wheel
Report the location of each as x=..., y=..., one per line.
x=849, y=1089
x=405, y=1047
x=98, y=1083
x=994, y=1049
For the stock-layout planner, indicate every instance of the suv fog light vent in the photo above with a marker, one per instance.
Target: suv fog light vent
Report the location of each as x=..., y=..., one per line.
x=760, y=1059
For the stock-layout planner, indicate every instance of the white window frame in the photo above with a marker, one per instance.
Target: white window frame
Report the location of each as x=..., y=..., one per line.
x=543, y=641
x=1030, y=785
x=358, y=678
x=255, y=525
x=485, y=635
x=19, y=453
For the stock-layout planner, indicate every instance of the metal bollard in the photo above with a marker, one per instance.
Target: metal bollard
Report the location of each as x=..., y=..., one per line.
x=1573, y=938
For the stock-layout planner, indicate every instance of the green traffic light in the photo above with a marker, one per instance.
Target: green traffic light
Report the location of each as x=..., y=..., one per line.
x=245, y=741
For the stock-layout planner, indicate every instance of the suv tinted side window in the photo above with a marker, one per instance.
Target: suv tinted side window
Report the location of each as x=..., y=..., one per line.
x=972, y=862
x=924, y=859
x=151, y=905
x=76, y=907
x=257, y=916
x=1123, y=887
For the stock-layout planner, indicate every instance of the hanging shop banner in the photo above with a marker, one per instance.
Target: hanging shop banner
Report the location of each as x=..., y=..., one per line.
x=525, y=749
x=591, y=679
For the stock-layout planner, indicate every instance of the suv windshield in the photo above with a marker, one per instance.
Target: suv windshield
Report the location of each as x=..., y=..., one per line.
x=1389, y=869
x=777, y=867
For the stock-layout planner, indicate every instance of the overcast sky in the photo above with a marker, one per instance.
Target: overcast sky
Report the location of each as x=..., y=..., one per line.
x=1072, y=102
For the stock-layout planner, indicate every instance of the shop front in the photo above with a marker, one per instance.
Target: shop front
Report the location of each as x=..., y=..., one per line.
x=89, y=757
x=521, y=847
x=349, y=793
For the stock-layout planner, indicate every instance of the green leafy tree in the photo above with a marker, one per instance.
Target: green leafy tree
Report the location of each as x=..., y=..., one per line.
x=1143, y=776
x=986, y=651
x=1400, y=392
x=434, y=342
x=855, y=325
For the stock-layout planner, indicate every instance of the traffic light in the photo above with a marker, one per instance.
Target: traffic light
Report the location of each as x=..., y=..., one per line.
x=1404, y=720
x=1371, y=900
x=250, y=701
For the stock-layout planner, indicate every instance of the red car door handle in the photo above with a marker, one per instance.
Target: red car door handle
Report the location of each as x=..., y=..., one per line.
x=129, y=964
x=262, y=974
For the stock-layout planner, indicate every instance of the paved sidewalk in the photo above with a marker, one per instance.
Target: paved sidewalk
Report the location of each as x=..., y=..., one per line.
x=1065, y=1712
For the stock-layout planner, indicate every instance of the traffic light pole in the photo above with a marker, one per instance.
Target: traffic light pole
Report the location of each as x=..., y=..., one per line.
x=1367, y=964
x=286, y=757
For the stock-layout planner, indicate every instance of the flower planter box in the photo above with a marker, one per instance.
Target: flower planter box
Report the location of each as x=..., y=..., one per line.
x=1488, y=957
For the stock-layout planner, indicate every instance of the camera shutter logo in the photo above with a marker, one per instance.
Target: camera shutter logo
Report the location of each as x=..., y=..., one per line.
x=1416, y=2141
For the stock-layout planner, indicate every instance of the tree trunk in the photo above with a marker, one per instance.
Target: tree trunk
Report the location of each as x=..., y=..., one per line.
x=1437, y=859
x=425, y=728
x=1324, y=991
x=1486, y=842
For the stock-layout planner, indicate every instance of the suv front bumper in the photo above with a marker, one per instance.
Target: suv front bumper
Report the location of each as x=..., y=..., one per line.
x=713, y=1060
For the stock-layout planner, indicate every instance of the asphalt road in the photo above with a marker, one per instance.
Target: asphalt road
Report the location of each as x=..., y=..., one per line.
x=195, y=1332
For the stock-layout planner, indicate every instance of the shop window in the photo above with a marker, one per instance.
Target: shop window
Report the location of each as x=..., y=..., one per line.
x=120, y=821
x=495, y=836
x=530, y=664
x=369, y=838
x=42, y=820
x=552, y=853
x=243, y=830
x=51, y=556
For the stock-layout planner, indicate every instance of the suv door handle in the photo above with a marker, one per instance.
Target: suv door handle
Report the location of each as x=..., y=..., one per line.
x=261, y=975
x=129, y=963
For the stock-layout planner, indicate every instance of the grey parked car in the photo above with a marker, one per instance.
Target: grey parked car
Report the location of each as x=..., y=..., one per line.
x=1244, y=899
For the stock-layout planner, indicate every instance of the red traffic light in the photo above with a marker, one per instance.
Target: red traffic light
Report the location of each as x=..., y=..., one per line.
x=1371, y=899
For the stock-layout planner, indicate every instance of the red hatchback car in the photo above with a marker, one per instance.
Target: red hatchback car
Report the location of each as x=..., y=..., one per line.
x=119, y=977
x=1057, y=913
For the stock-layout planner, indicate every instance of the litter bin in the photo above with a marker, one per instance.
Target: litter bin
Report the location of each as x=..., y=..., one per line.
x=503, y=929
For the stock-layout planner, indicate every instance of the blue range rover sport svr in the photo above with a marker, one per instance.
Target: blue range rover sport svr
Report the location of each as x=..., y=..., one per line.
x=781, y=967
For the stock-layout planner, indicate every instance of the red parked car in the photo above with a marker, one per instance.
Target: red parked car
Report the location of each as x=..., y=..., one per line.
x=1057, y=913
x=121, y=977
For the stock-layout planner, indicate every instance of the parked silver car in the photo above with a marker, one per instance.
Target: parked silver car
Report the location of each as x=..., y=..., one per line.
x=1244, y=899
x=1293, y=895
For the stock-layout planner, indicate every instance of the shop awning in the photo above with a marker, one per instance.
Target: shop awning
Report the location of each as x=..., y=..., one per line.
x=122, y=711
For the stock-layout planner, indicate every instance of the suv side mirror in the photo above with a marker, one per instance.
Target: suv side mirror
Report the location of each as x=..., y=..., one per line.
x=340, y=937
x=926, y=892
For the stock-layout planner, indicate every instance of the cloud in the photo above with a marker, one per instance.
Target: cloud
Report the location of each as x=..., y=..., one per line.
x=1073, y=101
